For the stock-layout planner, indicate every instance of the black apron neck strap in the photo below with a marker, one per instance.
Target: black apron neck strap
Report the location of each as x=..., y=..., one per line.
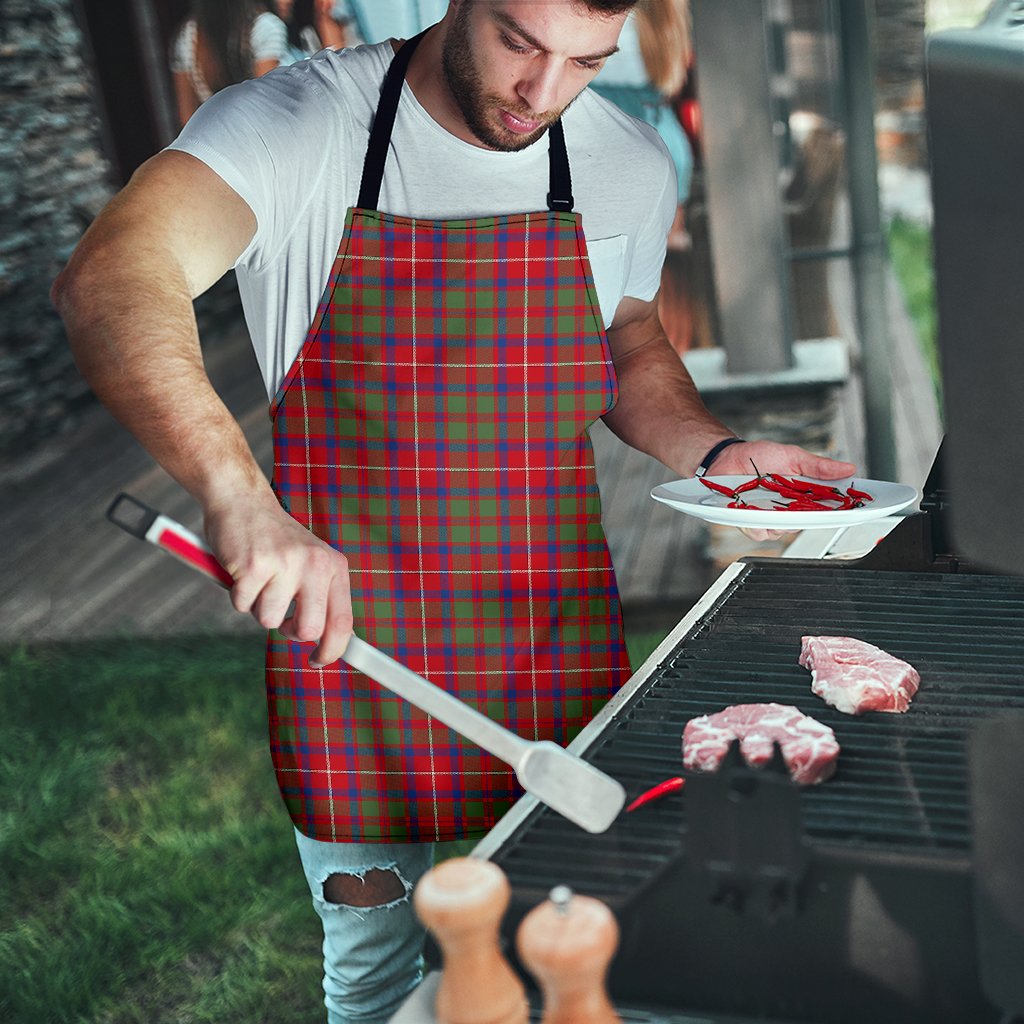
x=560, y=198
x=383, y=122
x=560, y=195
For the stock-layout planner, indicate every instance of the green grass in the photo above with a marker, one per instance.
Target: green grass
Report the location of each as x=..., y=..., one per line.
x=147, y=868
x=148, y=873
x=910, y=248
x=641, y=646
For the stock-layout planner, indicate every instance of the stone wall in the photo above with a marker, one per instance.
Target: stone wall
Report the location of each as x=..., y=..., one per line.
x=53, y=180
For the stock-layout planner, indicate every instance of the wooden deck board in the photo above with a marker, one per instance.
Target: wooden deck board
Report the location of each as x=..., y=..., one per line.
x=657, y=553
x=70, y=574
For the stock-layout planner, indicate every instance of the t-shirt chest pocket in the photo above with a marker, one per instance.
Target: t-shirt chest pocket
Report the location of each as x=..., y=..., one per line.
x=608, y=267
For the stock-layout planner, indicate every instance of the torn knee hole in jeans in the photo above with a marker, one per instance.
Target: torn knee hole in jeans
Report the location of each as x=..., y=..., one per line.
x=377, y=887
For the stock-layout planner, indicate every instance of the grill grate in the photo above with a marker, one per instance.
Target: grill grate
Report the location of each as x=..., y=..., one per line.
x=901, y=786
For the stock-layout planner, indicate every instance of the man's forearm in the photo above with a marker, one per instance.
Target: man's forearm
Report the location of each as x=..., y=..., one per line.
x=659, y=410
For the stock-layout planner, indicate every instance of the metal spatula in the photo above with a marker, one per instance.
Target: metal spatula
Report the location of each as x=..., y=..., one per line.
x=567, y=784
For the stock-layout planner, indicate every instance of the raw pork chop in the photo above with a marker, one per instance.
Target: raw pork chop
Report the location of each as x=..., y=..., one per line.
x=855, y=677
x=809, y=748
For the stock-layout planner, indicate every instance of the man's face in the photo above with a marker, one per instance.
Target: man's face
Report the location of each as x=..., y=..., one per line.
x=513, y=66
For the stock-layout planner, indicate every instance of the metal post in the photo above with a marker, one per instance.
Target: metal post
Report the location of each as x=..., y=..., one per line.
x=154, y=63
x=867, y=238
x=748, y=243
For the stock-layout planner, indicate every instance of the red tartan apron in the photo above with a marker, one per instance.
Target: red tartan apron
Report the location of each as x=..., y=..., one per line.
x=433, y=428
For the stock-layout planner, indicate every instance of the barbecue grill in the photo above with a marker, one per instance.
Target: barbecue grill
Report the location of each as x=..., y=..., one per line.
x=747, y=897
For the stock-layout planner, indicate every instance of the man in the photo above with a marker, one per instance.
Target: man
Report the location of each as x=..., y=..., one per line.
x=430, y=426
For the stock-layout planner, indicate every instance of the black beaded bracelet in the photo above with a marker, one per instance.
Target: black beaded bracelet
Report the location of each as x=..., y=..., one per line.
x=705, y=463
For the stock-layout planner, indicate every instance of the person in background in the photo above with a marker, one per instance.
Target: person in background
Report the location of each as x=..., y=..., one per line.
x=645, y=78
x=648, y=73
x=224, y=42
x=314, y=25
x=372, y=21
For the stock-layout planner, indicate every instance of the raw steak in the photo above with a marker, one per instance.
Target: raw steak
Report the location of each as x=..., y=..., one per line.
x=809, y=748
x=855, y=677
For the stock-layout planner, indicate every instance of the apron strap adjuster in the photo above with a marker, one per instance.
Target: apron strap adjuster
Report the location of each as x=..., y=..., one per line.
x=560, y=205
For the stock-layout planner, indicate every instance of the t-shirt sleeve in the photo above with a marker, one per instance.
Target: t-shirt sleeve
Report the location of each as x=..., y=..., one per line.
x=644, y=278
x=269, y=38
x=268, y=139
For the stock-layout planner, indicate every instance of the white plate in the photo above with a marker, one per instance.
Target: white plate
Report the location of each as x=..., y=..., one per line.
x=693, y=498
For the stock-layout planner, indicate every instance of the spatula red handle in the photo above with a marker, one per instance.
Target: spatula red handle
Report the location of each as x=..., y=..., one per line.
x=147, y=524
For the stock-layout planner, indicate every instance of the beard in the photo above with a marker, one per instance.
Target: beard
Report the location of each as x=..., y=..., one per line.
x=465, y=83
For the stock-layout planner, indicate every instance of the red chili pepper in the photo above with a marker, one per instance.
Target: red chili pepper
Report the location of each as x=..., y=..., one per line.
x=793, y=485
x=862, y=495
x=656, y=792
x=749, y=485
x=721, y=488
x=787, y=492
x=817, y=490
x=771, y=484
x=807, y=505
x=809, y=487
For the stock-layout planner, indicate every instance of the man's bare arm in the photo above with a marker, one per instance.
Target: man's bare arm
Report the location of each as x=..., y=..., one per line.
x=661, y=413
x=126, y=299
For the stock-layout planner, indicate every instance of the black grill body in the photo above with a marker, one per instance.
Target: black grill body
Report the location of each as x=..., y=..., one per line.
x=746, y=896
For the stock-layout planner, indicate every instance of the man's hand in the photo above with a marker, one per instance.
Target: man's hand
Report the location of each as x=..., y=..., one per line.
x=285, y=577
x=772, y=457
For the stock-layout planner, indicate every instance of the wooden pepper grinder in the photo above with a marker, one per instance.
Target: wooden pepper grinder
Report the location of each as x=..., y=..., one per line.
x=462, y=901
x=567, y=943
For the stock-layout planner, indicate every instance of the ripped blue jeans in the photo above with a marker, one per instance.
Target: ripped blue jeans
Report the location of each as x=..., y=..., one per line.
x=372, y=954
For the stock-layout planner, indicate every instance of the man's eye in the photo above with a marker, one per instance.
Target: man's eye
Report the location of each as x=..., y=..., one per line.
x=514, y=46
x=590, y=65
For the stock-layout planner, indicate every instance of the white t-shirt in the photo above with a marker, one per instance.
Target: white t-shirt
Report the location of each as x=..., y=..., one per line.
x=292, y=144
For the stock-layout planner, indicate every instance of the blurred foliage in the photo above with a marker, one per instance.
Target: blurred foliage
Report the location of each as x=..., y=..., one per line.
x=910, y=249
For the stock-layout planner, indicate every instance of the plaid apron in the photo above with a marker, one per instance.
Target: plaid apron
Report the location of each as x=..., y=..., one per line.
x=433, y=428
